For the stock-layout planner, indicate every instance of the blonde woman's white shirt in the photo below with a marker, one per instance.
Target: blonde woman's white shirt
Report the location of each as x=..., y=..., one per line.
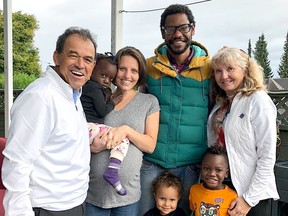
x=250, y=137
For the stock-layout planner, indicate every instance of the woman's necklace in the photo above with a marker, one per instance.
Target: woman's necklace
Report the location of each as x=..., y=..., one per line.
x=230, y=100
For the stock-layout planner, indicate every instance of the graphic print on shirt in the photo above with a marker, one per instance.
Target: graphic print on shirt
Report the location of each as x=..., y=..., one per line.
x=207, y=209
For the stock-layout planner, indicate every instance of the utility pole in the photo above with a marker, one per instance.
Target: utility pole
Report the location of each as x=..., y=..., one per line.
x=116, y=25
x=8, y=61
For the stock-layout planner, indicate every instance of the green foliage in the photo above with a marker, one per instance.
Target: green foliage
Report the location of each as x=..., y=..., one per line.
x=20, y=80
x=249, y=48
x=261, y=55
x=25, y=55
x=283, y=67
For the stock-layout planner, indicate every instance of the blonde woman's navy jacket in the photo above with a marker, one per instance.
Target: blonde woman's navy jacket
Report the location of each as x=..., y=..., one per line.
x=183, y=99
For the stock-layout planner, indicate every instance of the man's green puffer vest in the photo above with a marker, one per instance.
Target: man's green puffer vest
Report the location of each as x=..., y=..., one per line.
x=183, y=100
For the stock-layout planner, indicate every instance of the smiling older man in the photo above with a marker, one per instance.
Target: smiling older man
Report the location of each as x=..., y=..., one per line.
x=46, y=165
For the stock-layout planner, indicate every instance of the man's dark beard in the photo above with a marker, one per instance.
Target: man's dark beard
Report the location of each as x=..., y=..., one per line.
x=179, y=52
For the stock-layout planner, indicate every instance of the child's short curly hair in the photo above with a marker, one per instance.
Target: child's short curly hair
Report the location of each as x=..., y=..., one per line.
x=169, y=180
x=216, y=150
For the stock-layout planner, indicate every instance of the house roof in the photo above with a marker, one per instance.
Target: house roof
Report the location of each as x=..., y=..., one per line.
x=275, y=84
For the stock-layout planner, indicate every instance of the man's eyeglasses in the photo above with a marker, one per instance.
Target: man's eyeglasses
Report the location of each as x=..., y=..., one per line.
x=169, y=30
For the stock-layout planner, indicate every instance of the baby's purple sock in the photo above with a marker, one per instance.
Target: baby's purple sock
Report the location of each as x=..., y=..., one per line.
x=111, y=175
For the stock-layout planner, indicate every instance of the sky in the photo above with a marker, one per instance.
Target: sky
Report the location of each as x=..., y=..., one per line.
x=218, y=23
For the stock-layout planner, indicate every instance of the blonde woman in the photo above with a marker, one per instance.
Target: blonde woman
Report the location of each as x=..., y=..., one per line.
x=243, y=120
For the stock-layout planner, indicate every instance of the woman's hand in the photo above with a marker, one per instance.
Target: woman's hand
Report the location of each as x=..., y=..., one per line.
x=239, y=207
x=107, y=139
x=116, y=98
x=100, y=142
x=115, y=136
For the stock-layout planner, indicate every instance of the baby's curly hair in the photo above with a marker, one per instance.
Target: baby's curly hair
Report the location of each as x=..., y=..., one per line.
x=169, y=180
x=107, y=56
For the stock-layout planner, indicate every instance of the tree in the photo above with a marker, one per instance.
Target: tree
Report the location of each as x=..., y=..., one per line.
x=249, y=48
x=261, y=56
x=25, y=55
x=283, y=67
